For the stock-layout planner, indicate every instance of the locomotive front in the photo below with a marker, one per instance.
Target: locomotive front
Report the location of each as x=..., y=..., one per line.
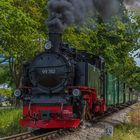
x=46, y=101
x=50, y=72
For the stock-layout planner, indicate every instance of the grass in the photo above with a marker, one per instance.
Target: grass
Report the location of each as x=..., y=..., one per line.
x=130, y=130
x=125, y=132
x=9, y=122
x=134, y=116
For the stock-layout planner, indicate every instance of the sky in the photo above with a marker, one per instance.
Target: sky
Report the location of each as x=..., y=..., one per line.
x=137, y=59
x=134, y=5
x=133, y=2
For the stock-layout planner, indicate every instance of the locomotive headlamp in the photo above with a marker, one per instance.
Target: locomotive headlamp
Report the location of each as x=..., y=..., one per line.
x=17, y=93
x=48, y=45
x=76, y=92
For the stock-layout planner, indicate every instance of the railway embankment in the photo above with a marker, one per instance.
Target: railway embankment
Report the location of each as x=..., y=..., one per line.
x=123, y=118
x=129, y=129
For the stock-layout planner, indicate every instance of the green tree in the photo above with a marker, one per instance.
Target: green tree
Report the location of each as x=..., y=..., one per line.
x=23, y=31
x=114, y=40
x=4, y=74
x=18, y=37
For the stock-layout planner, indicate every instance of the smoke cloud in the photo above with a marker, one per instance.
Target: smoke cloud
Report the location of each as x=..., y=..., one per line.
x=66, y=12
x=107, y=8
x=132, y=4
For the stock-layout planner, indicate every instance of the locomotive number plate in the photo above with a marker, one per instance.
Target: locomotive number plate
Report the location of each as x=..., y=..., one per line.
x=48, y=71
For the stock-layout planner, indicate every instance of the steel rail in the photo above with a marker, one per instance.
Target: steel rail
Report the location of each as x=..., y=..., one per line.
x=20, y=136
x=46, y=136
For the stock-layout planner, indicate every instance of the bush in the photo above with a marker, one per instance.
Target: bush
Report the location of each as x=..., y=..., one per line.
x=8, y=93
x=9, y=122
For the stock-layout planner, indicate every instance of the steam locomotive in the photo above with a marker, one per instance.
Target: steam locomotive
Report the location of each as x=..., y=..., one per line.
x=62, y=87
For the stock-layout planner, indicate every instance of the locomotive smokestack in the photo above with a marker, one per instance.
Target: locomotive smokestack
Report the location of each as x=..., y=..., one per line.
x=56, y=40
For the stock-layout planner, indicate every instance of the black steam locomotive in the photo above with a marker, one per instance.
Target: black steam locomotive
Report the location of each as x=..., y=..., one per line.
x=63, y=86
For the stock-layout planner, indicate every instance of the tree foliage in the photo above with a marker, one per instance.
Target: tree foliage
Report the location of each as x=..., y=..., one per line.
x=19, y=34
x=4, y=74
x=23, y=31
x=113, y=40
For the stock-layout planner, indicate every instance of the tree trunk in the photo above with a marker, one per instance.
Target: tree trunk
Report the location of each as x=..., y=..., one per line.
x=16, y=74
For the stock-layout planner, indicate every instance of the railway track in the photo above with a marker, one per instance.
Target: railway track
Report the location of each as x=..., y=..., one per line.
x=44, y=136
x=20, y=136
x=55, y=133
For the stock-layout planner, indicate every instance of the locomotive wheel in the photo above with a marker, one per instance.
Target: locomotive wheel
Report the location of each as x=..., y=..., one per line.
x=86, y=115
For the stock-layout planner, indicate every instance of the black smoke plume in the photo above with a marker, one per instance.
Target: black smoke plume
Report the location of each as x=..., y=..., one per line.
x=108, y=8
x=66, y=12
